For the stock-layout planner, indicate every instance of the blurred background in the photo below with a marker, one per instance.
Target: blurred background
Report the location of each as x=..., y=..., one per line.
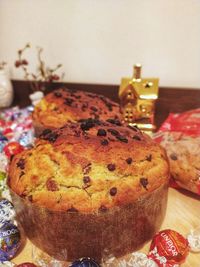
x=98, y=41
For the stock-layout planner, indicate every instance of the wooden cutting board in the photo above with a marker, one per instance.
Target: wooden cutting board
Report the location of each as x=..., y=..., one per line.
x=183, y=214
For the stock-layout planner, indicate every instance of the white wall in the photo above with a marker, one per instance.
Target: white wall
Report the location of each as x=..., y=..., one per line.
x=98, y=41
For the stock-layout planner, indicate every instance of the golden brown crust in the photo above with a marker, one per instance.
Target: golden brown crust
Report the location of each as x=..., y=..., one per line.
x=64, y=105
x=89, y=166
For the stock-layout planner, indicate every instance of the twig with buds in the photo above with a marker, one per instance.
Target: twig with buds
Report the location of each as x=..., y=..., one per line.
x=43, y=73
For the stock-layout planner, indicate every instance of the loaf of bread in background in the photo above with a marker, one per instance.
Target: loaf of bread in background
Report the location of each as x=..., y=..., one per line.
x=183, y=154
x=64, y=105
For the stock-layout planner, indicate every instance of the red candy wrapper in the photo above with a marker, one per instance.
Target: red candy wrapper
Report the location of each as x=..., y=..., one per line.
x=180, y=136
x=13, y=148
x=168, y=248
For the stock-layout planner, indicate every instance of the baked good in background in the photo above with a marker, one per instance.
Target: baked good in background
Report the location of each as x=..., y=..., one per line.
x=64, y=105
x=90, y=188
x=183, y=153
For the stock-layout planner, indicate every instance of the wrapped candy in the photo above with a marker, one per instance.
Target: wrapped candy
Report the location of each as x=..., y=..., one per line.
x=9, y=241
x=7, y=212
x=26, y=138
x=3, y=137
x=85, y=262
x=136, y=259
x=168, y=248
x=3, y=162
x=2, y=145
x=194, y=240
x=3, y=186
x=2, y=182
x=8, y=133
x=13, y=148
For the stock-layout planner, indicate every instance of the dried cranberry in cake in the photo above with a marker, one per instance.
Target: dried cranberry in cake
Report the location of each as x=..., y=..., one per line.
x=114, y=121
x=87, y=124
x=122, y=138
x=149, y=157
x=103, y=208
x=21, y=164
x=68, y=101
x=101, y=132
x=77, y=96
x=129, y=160
x=51, y=185
x=84, y=106
x=87, y=168
x=111, y=167
x=58, y=94
x=86, y=179
x=94, y=109
x=144, y=182
x=136, y=137
x=51, y=137
x=104, y=142
x=134, y=128
x=113, y=191
x=113, y=132
x=46, y=131
x=173, y=156
x=30, y=198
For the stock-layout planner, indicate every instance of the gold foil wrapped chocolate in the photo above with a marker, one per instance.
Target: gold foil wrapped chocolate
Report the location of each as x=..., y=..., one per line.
x=137, y=96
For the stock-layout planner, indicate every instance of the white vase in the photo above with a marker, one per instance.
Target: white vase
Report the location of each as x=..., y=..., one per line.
x=6, y=89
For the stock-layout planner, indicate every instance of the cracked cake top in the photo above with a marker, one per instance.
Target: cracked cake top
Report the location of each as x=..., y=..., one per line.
x=89, y=166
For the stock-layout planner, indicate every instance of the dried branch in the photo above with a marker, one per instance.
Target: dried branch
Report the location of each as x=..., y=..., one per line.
x=42, y=74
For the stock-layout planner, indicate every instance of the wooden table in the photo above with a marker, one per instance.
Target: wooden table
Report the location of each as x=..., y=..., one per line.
x=183, y=209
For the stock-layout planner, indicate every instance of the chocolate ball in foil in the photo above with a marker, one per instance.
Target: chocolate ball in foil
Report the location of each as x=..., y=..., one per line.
x=9, y=241
x=3, y=137
x=3, y=162
x=85, y=262
x=26, y=138
x=194, y=240
x=12, y=148
x=7, y=212
x=168, y=248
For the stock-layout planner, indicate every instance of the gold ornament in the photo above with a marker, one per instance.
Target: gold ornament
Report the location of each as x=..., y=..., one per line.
x=137, y=97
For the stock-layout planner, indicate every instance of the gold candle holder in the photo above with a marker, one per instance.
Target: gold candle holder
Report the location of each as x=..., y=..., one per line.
x=137, y=97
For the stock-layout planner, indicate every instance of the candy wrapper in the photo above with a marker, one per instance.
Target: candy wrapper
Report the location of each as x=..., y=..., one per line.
x=9, y=241
x=180, y=136
x=167, y=249
x=16, y=133
x=7, y=212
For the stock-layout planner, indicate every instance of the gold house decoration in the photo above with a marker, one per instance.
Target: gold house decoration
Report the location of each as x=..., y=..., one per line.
x=137, y=97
